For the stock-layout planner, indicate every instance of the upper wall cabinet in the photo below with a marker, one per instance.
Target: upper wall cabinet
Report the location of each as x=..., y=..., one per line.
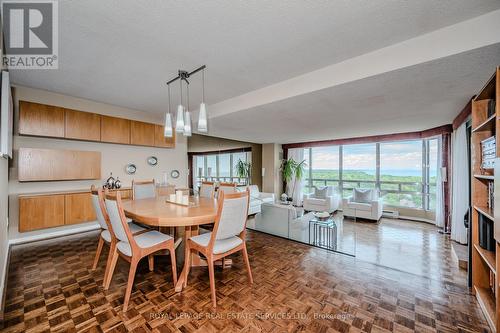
x=41, y=120
x=142, y=134
x=115, y=130
x=161, y=140
x=82, y=125
x=53, y=121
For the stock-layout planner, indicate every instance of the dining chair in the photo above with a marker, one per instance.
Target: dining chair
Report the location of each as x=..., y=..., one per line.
x=227, y=237
x=133, y=248
x=106, y=235
x=143, y=189
x=227, y=187
x=207, y=189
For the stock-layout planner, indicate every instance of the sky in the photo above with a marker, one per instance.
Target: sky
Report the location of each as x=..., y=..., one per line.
x=393, y=156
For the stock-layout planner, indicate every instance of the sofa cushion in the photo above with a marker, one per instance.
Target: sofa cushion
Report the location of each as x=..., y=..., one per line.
x=362, y=195
x=316, y=201
x=254, y=191
x=360, y=206
x=321, y=193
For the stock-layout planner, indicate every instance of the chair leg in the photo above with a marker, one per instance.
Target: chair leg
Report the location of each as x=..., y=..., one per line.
x=130, y=282
x=247, y=263
x=174, y=263
x=212, y=281
x=151, y=262
x=98, y=252
x=112, y=266
x=187, y=259
x=222, y=262
x=112, y=247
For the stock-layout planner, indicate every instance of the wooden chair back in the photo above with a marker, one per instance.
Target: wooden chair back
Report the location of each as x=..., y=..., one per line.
x=117, y=219
x=207, y=189
x=94, y=192
x=232, y=214
x=227, y=187
x=143, y=189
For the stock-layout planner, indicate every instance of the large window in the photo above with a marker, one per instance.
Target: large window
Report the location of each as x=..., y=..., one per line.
x=219, y=167
x=403, y=171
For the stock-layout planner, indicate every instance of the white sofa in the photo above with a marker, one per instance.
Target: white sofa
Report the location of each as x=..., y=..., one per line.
x=257, y=198
x=364, y=203
x=329, y=202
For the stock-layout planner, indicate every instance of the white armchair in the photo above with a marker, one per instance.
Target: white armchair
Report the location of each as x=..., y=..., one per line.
x=322, y=200
x=364, y=203
x=257, y=198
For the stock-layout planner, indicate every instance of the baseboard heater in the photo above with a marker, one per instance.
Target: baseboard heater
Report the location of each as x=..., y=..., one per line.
x=393, y=214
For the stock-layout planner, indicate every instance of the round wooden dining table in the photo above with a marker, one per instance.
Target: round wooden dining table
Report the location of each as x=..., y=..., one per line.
x=157, y=212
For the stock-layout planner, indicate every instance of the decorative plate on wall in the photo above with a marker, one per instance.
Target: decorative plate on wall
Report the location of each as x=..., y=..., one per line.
x=175, y=174
x=152, y=160
x=130, y=169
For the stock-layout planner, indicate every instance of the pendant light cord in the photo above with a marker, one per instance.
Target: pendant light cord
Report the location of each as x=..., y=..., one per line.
x=203, y=86
x=168, y=85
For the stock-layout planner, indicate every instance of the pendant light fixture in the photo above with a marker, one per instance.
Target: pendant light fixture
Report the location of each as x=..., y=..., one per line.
x=183, y=118
x=187, y=115
x=168, y=130
x=179, y=125
x=202, y=116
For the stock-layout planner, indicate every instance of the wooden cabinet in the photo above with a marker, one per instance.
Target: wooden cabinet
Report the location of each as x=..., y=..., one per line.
x=78, y=208
x=41, y=212
x=51, y=164
x=52, y=121
x=47, y=210
x=142, y=134
x=115, y=130
x=160, y=139
x=41, y=120
x=82, y=125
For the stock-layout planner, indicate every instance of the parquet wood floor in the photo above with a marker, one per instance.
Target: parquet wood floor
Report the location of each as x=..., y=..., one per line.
x=297, y=289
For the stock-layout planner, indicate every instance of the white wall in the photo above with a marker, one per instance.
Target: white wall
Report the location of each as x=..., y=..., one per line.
x=114, y=156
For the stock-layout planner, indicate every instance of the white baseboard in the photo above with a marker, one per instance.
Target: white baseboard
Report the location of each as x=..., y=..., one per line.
x=54, y=234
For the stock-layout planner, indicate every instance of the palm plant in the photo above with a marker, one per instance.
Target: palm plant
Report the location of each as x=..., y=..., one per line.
x=293, y=171
x=243, y=169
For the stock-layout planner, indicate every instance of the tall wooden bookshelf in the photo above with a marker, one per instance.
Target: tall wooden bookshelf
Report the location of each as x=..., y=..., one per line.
x=485, y=280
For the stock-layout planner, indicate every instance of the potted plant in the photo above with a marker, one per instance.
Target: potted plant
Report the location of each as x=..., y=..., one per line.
x=292, y=171
x=243, y=169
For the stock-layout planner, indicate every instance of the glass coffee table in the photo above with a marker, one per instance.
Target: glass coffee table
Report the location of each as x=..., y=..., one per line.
x=323, y=233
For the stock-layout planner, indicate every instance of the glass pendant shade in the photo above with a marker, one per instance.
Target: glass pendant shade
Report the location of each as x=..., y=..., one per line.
x=202, y=119
x=187, y=123
x=168, y=130
x=179, y=125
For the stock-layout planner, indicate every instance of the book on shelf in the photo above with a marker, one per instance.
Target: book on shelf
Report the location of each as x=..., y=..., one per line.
x=491, y=195
x=488, y=153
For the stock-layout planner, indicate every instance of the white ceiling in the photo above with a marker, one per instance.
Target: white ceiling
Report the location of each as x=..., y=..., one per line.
x=123, y=51
x=411, y=99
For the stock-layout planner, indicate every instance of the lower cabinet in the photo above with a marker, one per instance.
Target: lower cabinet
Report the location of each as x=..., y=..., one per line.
x=78, y=208
x=54, y=210
x=41, y=212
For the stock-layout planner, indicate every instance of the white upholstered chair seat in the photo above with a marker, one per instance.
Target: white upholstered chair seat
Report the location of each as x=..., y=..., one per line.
x=145, y=240
x=134, y=228
x=106, y=235
x=221, y=245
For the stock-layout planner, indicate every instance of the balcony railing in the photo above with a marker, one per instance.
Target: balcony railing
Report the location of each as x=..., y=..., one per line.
x=418, y=192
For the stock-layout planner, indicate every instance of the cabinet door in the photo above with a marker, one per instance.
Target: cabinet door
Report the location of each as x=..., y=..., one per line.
x=41, y=120
x=41, y=212
x=161, y=140
x=142, y=134
x=82, y=125
x=78, y=208
x=115, y=130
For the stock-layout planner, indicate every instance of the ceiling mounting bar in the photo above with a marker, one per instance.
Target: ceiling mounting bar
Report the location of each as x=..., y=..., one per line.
x=184, y=75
